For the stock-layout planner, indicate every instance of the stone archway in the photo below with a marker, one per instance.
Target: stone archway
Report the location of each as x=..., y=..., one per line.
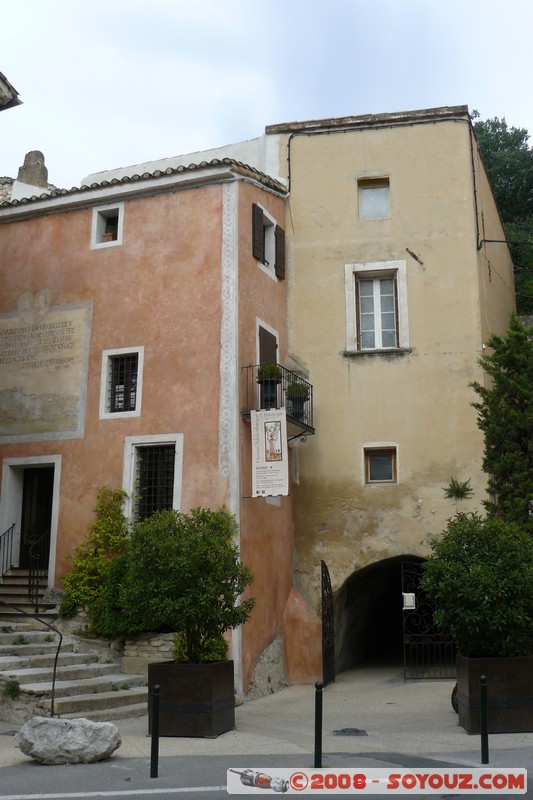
x=368, y=615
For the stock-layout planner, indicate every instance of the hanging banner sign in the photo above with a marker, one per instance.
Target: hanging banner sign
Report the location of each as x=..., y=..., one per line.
x=270, y=454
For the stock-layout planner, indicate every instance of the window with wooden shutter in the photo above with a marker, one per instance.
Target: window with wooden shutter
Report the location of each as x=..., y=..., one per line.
x=268, y=242
x=279, y=265
x=258, y=233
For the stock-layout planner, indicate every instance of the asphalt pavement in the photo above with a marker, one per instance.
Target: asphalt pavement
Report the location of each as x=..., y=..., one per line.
x=371, y=718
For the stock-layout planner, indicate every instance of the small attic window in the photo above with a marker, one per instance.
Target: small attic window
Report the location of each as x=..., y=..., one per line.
x=374, y=198
x=107, y=226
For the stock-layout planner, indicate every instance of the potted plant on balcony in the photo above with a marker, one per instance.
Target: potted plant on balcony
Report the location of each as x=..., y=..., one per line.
x=297, y=393
x=182, y=573
x=268, y=378
x=480, y=576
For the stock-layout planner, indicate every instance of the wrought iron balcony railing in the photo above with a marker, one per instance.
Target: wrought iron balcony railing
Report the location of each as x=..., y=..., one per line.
x=268, y=386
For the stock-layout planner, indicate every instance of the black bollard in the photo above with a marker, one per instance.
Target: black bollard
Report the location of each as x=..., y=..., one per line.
x=154, y=760
x=318, y=724
x=483, y=711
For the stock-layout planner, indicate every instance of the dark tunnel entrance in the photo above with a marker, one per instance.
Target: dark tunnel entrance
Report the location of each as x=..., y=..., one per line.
x=368, y=615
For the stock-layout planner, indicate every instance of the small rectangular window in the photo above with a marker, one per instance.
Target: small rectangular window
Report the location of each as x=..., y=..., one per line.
x=380, y=465
x=107, y=226
x=374, y=198
x=121, y=383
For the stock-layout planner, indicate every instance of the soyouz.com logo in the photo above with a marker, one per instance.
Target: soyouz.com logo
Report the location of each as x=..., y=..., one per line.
x=483, y=781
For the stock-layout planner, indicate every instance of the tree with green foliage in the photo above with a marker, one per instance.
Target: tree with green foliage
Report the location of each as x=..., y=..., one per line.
x=86, y=583
x=480, y=576
x=509, y=162
x=505, y=415
x=508, y=159
x=180, y=573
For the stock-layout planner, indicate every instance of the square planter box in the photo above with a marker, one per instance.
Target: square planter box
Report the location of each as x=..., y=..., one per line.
x=195, y=699
x=509, y=693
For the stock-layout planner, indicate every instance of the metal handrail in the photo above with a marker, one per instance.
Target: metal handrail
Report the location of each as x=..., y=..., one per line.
x=6, y=550
x=36, y=569
x=50, y=627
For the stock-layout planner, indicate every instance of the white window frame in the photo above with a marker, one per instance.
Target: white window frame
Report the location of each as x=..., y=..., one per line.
x=376, y=269
x=100, y=216
x=369, y=184
x=377, y=446
x=107, y=355
x=129, y=475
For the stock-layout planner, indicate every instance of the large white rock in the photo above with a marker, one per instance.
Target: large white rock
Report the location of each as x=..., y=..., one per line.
x=68, y=741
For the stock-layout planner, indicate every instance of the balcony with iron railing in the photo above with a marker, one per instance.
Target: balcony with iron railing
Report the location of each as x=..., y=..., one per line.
x=270, y=386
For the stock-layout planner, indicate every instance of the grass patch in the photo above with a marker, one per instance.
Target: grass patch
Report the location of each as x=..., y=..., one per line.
x=12, y=689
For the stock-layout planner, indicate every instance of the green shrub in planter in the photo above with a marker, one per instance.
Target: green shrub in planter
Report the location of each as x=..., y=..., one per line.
x=480, y=576
x=268, y=372
x=215, y=649
x=297, y=389
x=180, y=572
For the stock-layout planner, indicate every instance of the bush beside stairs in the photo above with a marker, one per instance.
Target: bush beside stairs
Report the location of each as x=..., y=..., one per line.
x=86, y=685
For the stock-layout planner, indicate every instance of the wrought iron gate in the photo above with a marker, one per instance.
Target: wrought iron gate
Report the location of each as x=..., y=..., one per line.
x=328, y=627
x=427, y=652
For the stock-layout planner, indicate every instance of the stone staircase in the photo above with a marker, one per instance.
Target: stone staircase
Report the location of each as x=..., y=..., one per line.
x=88, y=684
x=14, y=589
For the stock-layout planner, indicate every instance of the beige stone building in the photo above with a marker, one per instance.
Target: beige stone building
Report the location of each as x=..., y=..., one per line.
x=398, y=273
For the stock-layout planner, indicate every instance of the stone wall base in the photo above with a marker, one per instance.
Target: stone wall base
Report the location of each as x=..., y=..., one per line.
x=269, y=673
x=145, y=649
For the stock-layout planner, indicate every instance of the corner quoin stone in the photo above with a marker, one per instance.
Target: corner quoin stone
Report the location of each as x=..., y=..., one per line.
x=68, y=741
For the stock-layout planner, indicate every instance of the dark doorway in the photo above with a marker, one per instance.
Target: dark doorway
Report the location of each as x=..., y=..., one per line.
x=37, y=497
x=268, y=347
x=368, y=615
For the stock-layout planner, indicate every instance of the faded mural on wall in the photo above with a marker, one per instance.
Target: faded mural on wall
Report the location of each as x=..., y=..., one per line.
x=43, y=368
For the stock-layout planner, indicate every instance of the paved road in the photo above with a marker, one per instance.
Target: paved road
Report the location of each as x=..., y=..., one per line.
x=197, y=777
x=396, y=724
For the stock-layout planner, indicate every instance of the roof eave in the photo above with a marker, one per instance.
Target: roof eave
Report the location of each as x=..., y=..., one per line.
x=195, y=175
x=372, y=120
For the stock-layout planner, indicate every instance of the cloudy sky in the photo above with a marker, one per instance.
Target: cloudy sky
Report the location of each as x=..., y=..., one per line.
x=109, y=83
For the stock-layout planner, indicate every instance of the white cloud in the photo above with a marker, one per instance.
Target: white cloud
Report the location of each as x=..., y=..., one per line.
x=116, y=82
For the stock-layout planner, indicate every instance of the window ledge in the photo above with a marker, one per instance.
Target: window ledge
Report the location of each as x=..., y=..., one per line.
x=392, y=352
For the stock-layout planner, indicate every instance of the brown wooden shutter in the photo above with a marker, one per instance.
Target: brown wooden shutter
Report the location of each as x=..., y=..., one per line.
x=279, y=267
x=258, y=238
